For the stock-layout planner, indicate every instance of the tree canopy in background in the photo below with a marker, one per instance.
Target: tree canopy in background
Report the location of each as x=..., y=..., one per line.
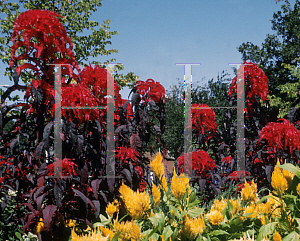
x=277, y=54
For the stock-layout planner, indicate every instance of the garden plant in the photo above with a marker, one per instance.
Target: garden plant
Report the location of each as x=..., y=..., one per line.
x=214, y=201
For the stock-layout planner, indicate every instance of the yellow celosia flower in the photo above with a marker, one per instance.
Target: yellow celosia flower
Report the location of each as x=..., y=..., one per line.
x=156, y=194
x=159, y=170
x=40, y=226
x=192, y=226
x=129, y=231
x=215, y=217
x=93, y=236
x=219, y=205
x=179, y=185
x=298, y=189
x=276, y=236
x=250, y=209
x=107, y=232
x=70, y=223
x=136, y=203
x=249, y=193
x=112, y=208
x=236, y=206
x=279, y=183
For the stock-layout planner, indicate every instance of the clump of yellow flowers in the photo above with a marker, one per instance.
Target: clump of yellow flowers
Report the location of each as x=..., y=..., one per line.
x=249, y=192
x=136, y=203
x=93, y=236
x=281, y=179
x=112, y=208
x=156, y=194
x=159, y=170
x=192, y=227
x=179, y=185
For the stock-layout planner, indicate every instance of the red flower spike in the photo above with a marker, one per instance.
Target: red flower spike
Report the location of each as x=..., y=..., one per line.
x=67, y=167
x=227, y=159
x=150, y=90
x=256, y=83
x=280, y=136
x=124, y=154
x=201, y=163
x=50, y=37
x=203, y=119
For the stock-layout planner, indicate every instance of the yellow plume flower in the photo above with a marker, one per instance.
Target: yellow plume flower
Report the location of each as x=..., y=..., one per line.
x=276, y=236
x=250, y=209
x=156, y=194
x=70, y=223
x=107, y=232
x=215, y=217
x=112, y=208
x=192, y=226
x=136, y=203
x=236, y=205
x=129, y=230
x=93, y=236
x=249, y=193
x=159, y=170
x=40, y=226
x=219, y=205
x=179, y=185
x=279, y=183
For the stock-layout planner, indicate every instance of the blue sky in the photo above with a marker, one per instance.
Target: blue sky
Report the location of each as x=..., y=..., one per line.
x=156, y=34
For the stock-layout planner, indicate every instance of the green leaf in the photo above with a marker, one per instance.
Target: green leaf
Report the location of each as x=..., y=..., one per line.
x=167, y=232
x=195, y=212
x=154, y=237
x=290, y=167
x=158, y=221
x=266, y=230
x=218, y=232
x=264, y=198
x=18, y=235
x=116, y=236
x=291, y=237
x=192, y=197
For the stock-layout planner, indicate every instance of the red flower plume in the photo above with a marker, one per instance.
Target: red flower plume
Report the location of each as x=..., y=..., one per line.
x=150, y=90
x=256, y=83
x=280, y=136
x=43, y=35
x=203, y=119
x=201, y=163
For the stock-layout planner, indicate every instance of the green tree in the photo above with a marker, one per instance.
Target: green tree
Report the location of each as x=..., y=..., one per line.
x=289, y=93
x=278, y=50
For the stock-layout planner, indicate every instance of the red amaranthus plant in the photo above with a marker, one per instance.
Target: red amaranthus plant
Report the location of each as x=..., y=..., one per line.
x=203, y=121
x=201, y=163
x=256, y=84
x=150, y=90
x=279, y=138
